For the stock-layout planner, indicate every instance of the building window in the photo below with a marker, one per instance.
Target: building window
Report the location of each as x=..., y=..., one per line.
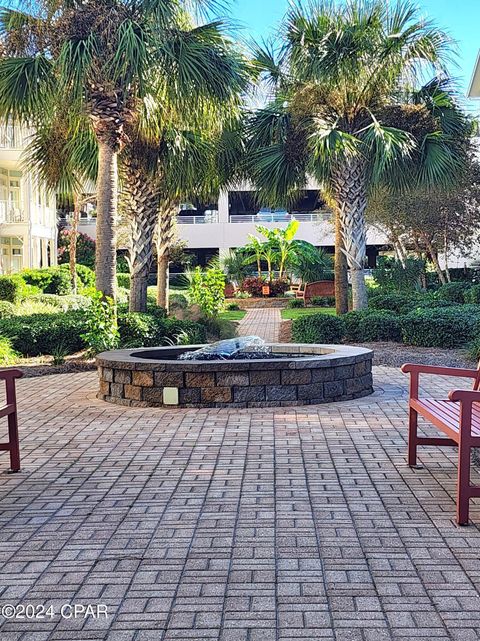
x=11, y=254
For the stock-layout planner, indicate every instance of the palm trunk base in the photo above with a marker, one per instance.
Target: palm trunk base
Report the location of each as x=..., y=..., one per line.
x=138, y=293
x=359, y=289
x=162, y=282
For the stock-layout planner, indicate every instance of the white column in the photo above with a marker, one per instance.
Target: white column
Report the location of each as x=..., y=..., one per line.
x=223, y=208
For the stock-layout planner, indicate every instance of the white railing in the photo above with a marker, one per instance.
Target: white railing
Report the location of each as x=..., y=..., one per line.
x=11, y=214
x=13, y=137
x=308, y=217
x=85, y=219
x=196, y=220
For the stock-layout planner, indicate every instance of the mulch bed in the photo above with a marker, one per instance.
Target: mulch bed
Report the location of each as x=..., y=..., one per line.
x=396, y=354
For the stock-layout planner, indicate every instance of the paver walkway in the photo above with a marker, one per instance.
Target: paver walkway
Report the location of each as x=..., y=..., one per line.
x=264, y=323
x=250, y=525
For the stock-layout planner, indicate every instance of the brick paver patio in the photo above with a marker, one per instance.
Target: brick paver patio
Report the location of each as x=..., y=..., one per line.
x=264, y=323
x=250, y=525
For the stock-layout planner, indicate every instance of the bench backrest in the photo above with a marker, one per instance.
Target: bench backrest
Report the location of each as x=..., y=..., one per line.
x=320, y=288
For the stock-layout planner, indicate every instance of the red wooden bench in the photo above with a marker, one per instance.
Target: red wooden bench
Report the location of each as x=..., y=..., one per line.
x=458, y=417
x=318, y=288
x=9, y=409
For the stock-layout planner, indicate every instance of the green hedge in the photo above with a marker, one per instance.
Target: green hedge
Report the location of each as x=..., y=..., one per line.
x=7, y=309
x=472, y=295
x=14, y=289
x=149, y=330
x=453, y=292
x=123, y=280
x=448, y=327
x=393, y=301
x=372, y=325
x=51, y=280
x=44, y=333
x=318, y=328
x=65, y=303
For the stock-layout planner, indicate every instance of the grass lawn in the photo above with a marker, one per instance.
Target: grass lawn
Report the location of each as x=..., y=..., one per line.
x=235, y=315
x=291, y=314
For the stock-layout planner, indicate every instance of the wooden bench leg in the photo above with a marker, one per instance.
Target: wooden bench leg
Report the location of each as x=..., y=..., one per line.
x=412, y=437
x=14, y=443
x=463, y=483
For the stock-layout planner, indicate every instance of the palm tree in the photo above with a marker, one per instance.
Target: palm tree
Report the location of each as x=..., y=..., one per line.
x=106, y=61
x=346, y=111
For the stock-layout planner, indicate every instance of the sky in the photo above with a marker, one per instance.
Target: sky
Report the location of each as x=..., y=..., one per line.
x=459, y=18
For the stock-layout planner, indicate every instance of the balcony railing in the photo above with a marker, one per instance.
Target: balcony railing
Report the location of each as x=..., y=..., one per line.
x=11, y=214
x=307, y=217
x=13, y=137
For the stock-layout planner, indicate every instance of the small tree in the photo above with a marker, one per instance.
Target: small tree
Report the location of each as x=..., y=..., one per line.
x=207, y=289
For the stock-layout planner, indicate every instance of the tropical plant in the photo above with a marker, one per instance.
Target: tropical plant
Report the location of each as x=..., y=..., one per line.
x=96, y=67
x=101, y=328
x=235, y=265
x=348, y=110
x=207, y=289
x=310, y=263
x=281, y=241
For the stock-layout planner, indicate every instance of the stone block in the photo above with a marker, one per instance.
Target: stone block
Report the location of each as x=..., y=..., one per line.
x=296, y=377
x=105, y=388
x=122, y=376
x=333, y=389
x=281, y=392
x=142, y=379
x=227, y=379
x=199, y=379
x=189, y=396
x=107, y=374
x=133, y=392
x=343, y=372
x=309, y=392
x=322, y=374
x=246, y=394
x=116, y=390
x=153, y=395
x=216, y=394
x=362, y=368
x=265, y=377
x=169, y=379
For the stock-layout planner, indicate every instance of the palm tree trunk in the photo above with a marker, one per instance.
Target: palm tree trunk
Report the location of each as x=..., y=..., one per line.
x=107, y=204
x=350, y=191
x=165, y=238
x=73, y=243
x=142, y=200
x=434, y=259
x=341, y=277
x=162, y=281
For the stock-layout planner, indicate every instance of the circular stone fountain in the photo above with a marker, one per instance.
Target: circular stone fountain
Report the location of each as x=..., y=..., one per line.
x=292, y=375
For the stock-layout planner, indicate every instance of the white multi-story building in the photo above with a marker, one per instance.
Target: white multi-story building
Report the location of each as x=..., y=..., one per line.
x=28, y=220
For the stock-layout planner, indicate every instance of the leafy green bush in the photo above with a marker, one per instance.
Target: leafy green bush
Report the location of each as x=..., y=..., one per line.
x=42, y=333
x=233, y=307
x=70, y=302
x=85, y=250
x=472, y=295
x=85, y=276
x=123, y=280
x=318, y=328
x=474, y=349
x=148, y=330
x=7, y=309
x=393, y=301
x=372, y=325
x=395, y=276
x=448, y=327
x=218, y=329
x=51, y=280
x=207, y=290
x=296, y=303
x=8, y=355
x=101, y=325
x=279, y=287
x=14, y=289
x=181, y=302
x=323, y=301
x=453, y=292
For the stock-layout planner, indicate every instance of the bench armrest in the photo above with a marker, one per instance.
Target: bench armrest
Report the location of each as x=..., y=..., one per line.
x=439, y=371
x=8, y=374
x=464, y=396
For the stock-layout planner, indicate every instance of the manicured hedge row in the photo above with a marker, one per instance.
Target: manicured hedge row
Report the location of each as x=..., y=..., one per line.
x=451, y=326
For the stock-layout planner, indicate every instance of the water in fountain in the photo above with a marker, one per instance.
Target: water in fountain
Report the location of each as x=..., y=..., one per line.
x=244, y=347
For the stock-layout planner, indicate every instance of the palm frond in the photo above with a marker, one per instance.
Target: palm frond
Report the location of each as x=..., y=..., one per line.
x=26, y=87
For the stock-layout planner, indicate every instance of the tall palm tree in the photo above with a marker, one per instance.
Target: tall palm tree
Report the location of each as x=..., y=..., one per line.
x=105, y=60
x=348, y=111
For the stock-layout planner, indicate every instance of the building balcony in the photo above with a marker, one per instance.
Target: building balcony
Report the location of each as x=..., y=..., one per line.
x=281, y=217
x=9, y=214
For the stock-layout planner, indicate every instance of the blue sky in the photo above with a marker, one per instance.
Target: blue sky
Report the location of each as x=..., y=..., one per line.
x=460, y=18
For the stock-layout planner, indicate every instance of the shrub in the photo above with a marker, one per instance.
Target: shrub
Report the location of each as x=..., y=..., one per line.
x=449, y=327
x=372, y=325
x=473, y=351
x=395, y=276
x=233, y=307
x=51, y=280
x=137, y=330
x=8, y=356
x=323, y=301
x=242, y=295
x=453, y=292
x=123, y=280
x=218, y=329
x=296, y=303
x=70, y=302
x=85, y=251
x=7, y=309
x=393, y=301
x=318, y=328
x=279, y=287
x=37, y=334
x=207, y=290
x=101, y=325
x=178, y=300
x=14, y=289
x=472, y=295
x=85, y=276
x=253, y=286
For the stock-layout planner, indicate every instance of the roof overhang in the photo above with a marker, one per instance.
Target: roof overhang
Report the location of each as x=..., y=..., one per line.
x=474, y=88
